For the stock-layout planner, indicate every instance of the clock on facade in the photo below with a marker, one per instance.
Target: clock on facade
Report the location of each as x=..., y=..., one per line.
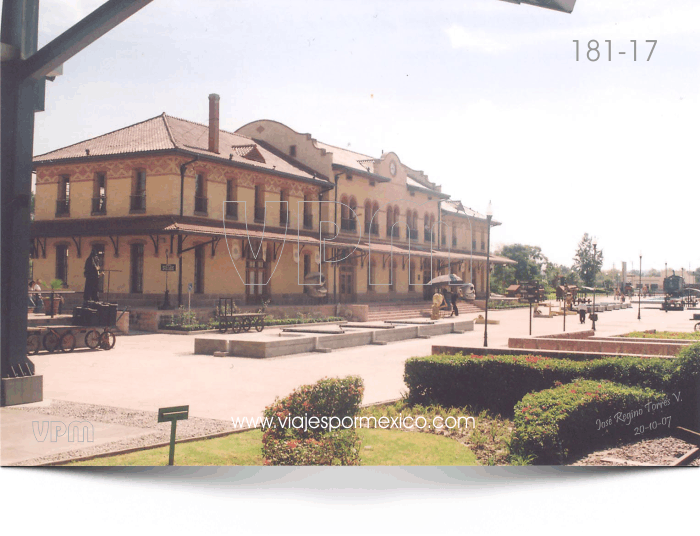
x=392, y=169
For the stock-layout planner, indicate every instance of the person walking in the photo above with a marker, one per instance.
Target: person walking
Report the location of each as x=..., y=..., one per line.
x=448, y=303
x=582, y=309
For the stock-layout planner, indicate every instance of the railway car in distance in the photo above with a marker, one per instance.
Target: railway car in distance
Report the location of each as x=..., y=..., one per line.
x=674, y=287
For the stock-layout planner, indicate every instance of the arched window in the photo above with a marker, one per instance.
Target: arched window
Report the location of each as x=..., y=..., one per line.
x=426, y=227
x=346, y=220
x=389, y=219
x=397, y=218
x=352, y=216
x=368, y=216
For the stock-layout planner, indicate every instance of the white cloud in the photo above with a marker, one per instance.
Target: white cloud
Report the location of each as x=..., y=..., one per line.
x=473, y=40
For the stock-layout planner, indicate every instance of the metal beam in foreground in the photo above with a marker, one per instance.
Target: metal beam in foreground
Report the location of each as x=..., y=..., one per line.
x=24, y=73
x=566, y=6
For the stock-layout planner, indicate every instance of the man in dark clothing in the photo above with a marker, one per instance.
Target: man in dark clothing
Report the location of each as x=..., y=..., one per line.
x=92, y=276
x=446, y=295
x=455, y=297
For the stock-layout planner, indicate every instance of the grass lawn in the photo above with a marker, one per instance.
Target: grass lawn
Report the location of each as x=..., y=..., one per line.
x=691, y=335
x=379, y=447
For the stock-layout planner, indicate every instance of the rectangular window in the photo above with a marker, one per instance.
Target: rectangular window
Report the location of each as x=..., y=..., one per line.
x=259, y=204
x=284, y=208
x=308, y=215
x=307, y=265
x=293, y=151
x=63, y=200
x=99, y=194
x=136, y=268
x=138, y=192
x=62, y=263
x=200, y=196
x=231, y=195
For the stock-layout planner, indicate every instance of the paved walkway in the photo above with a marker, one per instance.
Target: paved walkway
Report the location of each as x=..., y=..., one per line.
x=145, y=372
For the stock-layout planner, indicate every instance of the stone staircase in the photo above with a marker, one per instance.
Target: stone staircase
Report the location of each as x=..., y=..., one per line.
x=405, y=310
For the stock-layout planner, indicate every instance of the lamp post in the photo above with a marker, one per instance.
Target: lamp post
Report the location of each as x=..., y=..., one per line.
x=639, y=311
x=595, y=255
x=489, y=215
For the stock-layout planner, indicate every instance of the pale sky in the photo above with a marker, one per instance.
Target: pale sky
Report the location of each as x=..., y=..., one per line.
x=486, y=97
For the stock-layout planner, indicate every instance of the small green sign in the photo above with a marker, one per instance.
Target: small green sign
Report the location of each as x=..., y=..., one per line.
x=173, y=414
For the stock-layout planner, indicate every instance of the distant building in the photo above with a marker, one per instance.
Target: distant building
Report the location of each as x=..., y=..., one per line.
x=246, y=214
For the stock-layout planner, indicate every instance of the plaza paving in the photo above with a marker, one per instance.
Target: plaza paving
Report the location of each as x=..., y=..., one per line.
x=148, y=371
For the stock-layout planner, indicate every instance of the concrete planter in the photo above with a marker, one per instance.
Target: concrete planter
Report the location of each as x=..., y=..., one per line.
x=25, y=390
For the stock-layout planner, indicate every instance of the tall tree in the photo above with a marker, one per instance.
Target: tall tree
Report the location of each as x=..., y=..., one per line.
x=530, y=262
x=586, y=262
x=555, y=273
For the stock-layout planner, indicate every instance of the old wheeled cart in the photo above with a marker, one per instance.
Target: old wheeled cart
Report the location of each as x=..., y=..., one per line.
x=93, y=327
x=66, y=338
x=695, y=319
x=237, y=322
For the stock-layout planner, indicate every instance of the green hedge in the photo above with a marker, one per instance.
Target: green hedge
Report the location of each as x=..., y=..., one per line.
x=685, y=378
x=555, y=423
x=499, y=382
x=320, y=440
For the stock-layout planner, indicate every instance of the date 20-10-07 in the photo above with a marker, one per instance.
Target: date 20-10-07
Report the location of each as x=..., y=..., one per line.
x=594, y=52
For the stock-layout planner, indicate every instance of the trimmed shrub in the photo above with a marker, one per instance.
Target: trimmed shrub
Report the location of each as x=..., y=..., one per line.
x=499, y=382
x=555, y=423
x=685, y=378
x=306, y=427
x=340, y=447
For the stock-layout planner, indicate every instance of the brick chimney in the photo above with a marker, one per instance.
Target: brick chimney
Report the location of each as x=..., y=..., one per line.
x=214, y=123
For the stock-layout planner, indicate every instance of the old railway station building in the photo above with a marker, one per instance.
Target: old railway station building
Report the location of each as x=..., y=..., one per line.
x=246, y=215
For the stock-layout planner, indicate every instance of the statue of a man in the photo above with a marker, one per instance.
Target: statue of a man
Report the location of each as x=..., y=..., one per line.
x=92, y=276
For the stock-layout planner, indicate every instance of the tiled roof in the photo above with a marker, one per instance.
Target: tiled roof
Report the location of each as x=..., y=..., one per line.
x=412, y=183
x=457, y=207
x=165, y=132
x=347, y=158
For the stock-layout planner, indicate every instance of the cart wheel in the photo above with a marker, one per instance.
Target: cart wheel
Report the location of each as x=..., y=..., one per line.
x=697, y=326
x=92, y=339
x=51, y=341
x=33, y=343
x=247, y=322
x=107, y=340
x=223, y=326
x=67, y=343
x=236, y=326
x=260, y=324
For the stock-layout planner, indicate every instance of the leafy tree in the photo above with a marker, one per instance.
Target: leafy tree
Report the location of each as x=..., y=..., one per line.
x=587, y=263
x=653, y=273
x=555, y=272
x=530, y=262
